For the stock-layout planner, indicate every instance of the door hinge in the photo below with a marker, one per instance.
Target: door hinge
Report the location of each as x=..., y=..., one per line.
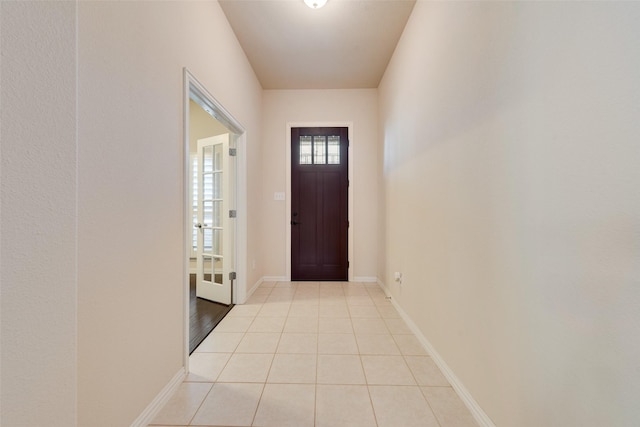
x=233, y=152
x=232, y=275
x=233, y=213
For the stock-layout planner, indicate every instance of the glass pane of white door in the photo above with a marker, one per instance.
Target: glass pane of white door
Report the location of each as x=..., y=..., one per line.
x=214, y=252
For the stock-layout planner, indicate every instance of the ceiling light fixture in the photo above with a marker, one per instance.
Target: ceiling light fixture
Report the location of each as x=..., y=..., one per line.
x=315, y=4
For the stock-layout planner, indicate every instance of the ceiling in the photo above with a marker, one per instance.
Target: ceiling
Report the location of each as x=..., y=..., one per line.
x=346, y=44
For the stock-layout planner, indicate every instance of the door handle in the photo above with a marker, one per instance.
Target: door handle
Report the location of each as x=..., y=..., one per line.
x=293, y=221
x=198, y=225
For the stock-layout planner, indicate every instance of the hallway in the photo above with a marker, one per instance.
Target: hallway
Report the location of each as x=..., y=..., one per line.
x=494, y=168
x=314, y=354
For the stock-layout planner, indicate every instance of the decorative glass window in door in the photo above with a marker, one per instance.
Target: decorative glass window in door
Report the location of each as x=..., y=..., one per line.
x=306, y=157
x=320, y=150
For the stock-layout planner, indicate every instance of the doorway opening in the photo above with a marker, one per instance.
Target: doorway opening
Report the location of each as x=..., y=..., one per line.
x=214, y=193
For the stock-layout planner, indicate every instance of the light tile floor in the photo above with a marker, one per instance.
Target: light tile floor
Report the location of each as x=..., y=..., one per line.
x=314, y=354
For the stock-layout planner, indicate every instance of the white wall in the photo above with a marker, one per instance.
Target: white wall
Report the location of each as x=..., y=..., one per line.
x=359, y=107
x=92, y=199
x=510, y=137
x=38, y=214
x=131, y=56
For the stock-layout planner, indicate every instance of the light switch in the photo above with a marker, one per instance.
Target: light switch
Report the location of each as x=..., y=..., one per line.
x=278, y=196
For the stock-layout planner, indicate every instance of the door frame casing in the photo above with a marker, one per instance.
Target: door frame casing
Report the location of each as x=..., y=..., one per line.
x=349, y=126
x=191, y=85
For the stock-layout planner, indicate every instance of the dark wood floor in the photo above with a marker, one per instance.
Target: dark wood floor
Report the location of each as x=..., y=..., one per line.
x=203, y=316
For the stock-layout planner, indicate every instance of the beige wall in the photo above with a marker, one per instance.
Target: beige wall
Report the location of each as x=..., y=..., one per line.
x=92, y=199
x=320, y=106
x=38, y=214
x=131, y=56
x=510, y=137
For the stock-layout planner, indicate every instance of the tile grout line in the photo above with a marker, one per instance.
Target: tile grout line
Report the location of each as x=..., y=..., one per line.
x=315, y=330
x=200, y=405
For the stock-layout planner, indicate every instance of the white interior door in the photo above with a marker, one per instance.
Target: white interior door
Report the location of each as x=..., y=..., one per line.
x=214, y=247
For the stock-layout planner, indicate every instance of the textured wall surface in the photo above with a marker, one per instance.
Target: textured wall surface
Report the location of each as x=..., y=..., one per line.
x=38, y=214
x=92, y=199
x=510, y=140
x=131, y=56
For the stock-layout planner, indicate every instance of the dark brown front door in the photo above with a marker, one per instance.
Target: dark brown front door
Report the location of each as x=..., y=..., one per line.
x=319, y=202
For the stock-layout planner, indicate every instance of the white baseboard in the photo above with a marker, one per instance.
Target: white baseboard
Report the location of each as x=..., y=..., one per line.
x=385, y=290
x=480, y=416
x=275, y=279
x=261, y=281
x=161, y=399
x=365, y=279
x=253, y=288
